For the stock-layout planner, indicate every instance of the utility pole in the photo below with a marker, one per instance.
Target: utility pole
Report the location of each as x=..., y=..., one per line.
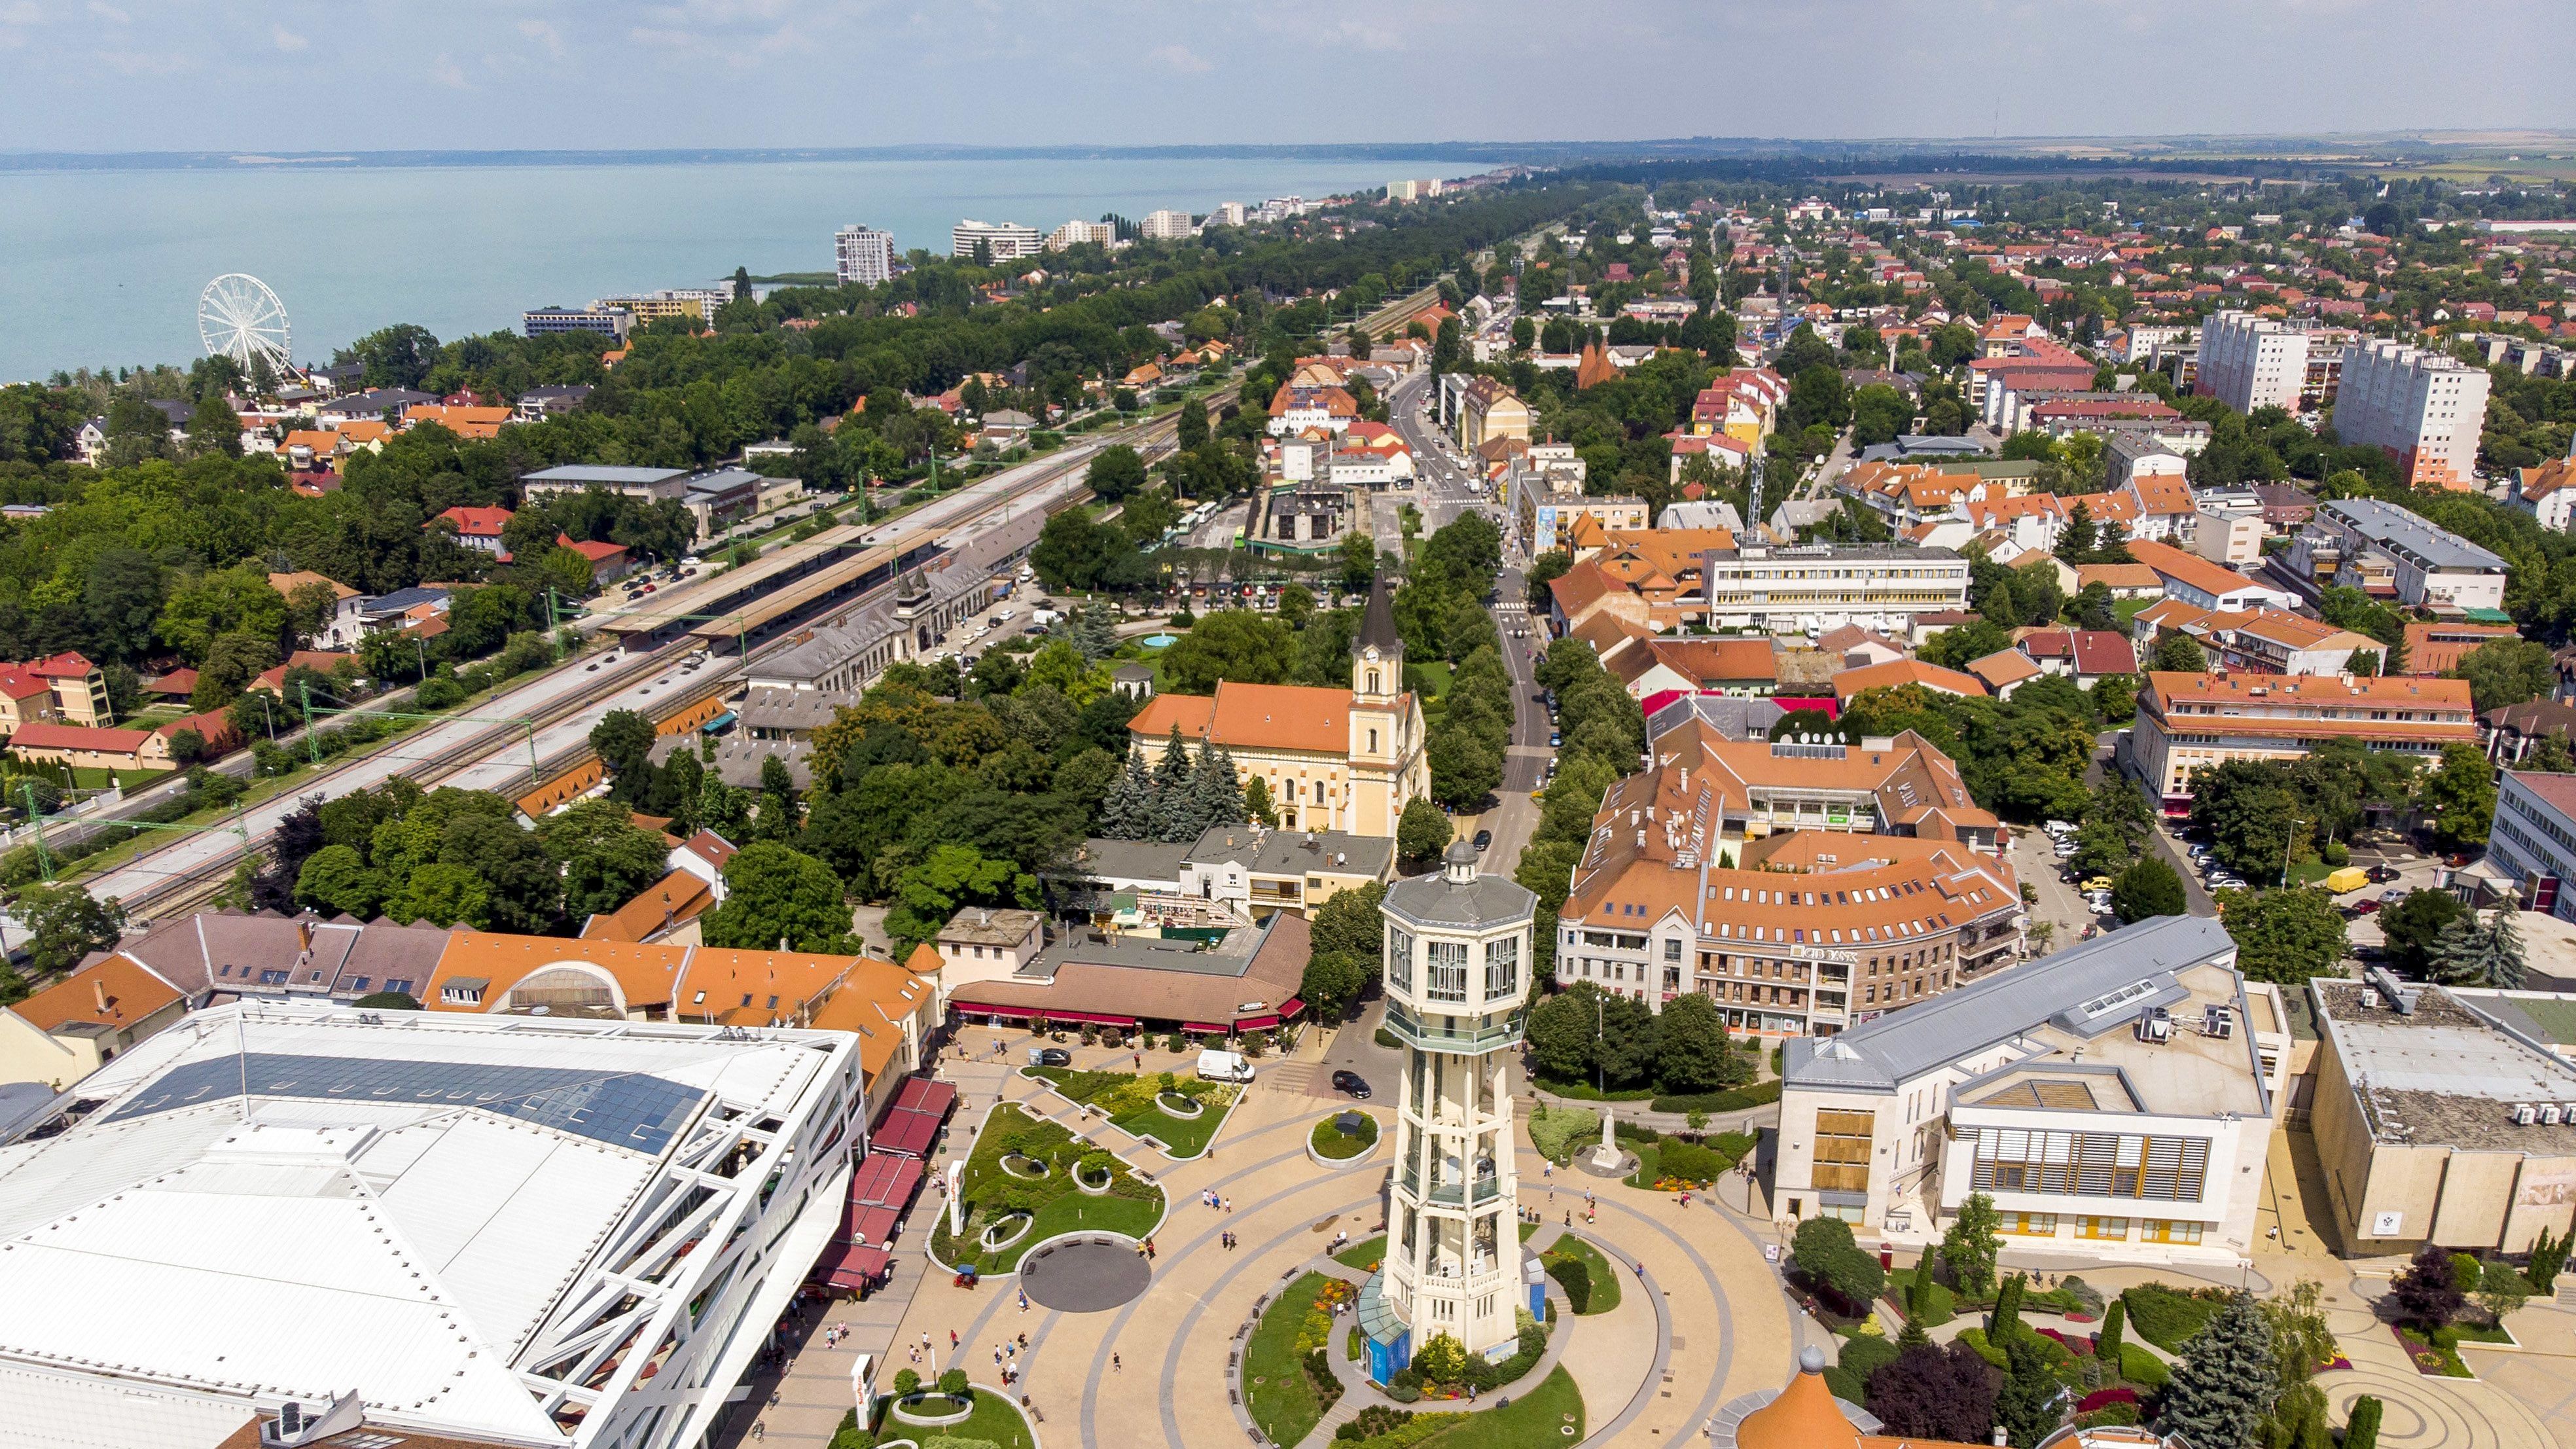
x=312, y=744
x=44, y=858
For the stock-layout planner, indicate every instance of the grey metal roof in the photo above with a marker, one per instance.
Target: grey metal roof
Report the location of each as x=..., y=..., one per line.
x=1377, y=626
x=1142, y=860
x=1434, y=900
x=1904, y=1044
x=603, y=473
x=1289, y=852
x=1713, y=513
x=2392, y=527
x=1736, y=716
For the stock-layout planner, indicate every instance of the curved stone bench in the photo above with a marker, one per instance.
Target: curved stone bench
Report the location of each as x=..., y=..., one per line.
x=1020, y=1229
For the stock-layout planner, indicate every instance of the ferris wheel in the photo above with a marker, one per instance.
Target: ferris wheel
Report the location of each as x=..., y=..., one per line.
x=240, y=318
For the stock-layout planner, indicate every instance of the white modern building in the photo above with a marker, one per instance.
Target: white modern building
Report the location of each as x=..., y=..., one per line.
x=1812, y=589
x=2422, y=408
x=2370, y=540
x=1227, y=213
x=1457, y=976
x=310, y=1224
x=863, y=256
x=2533, y=840
x=1001, y=241
x=2115, y=1100
x=1167, y=226
x=2250, y=362
x=1075, y=233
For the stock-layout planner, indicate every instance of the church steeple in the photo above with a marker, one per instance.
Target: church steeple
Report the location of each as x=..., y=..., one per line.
x=1377, y=655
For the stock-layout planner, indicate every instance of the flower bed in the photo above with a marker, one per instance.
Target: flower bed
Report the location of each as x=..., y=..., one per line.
x=1053, y=1203
x=1281, y=1392
x=2432, y=1358
x=1133, y=1102
x=2121, y=1394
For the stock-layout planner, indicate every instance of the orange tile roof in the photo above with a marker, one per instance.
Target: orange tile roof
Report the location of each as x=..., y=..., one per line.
x=47, y=735
x=755, y=988
x=2164, y=493
x=465, y=422
x=1896, y=673
x=872, y=1000
x=2004, y=667
x=289, y=583
x=2438, y=648
x=132, y=992
x=2172, y=563
x=2118, y=576
x=676, y=898
x=2397, y=691
x=646, y=975
x=1312, y=718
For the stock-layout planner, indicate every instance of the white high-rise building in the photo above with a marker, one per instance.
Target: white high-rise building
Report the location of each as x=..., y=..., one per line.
x=1227, y=213
x=1457, y=976
x=1002, y=241
x=1167, y=226
x=2422, y=408
x=863, y=256
x=1075, y=233
x=2248, y=362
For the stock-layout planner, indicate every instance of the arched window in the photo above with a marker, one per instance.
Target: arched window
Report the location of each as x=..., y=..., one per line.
x=1372, y=742
x=1372, y=681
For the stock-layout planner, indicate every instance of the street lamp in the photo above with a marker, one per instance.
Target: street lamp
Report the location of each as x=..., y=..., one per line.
x=2286, y=846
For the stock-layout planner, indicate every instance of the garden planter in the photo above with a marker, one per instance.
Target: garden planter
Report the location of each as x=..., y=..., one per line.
x=1005, y=1231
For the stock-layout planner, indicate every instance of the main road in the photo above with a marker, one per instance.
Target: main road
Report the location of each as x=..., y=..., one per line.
x=517, y=739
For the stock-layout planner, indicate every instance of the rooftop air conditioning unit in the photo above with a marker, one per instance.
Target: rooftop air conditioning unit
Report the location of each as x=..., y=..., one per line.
x=2549, y=1113
x=2525, y=1114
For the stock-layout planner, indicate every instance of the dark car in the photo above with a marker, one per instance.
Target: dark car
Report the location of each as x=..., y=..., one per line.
x=1484, y=839
x=2382, y=874
x=1351, y=1082
x=1051, y=1057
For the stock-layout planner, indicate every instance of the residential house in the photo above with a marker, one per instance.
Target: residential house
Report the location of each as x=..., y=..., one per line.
x=1254, y=872
x=608, y=561
x=2195, y=580
x=476, y=528
x=2087, y=656
x=2437, y=648
x=1899, y=673
x=340, y=627
x=77, y=1025
x=2548, y=492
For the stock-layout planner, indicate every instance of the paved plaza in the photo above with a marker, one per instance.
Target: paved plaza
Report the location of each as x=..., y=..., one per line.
x=1119, y=1352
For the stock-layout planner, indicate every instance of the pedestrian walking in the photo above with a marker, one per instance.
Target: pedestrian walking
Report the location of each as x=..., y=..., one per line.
x=1140, y=1061
x=1024, y=1340
x=1115, y=1366
x=952, y=1340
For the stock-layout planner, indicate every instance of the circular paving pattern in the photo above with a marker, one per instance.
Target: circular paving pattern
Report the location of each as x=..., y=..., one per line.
x=1085, y=1273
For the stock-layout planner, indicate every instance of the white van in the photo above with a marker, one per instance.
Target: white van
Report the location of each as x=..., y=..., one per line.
x=1224, y=1066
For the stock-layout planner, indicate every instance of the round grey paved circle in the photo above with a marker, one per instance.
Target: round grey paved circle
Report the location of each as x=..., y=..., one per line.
x=1088, y=1273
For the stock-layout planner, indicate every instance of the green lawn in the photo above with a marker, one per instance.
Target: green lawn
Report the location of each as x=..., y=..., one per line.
x=1363, y=1255
x=2129, y=609
x=1127, y=1099
x=1333, y=1146
x=1531, y=1420
x=996, y=1420
x=1573, y=1257
x=1430, y=678
x=1276, y=1391
x=1132, y=1207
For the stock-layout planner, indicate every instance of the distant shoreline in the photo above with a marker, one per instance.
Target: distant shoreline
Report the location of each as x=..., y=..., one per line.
x=2080, y=152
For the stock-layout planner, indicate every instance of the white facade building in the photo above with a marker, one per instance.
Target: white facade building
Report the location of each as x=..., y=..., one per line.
x=1002, y=241
x=1075, y=233
x=2250, y=362
x=2115, y=1100
x=863, y=256
x=2422, y=408
x=1457, y=976
x=1227, y=213
x=1813, y=589
x=1167, y=226
x=505, y=1229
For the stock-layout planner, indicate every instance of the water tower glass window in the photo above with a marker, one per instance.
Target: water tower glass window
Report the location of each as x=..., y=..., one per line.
x=1399, y=960
x=1502, y=967
x=1448, y=967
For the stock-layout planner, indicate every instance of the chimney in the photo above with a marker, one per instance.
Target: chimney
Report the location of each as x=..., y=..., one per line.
x=304, y=933
x=98, y=985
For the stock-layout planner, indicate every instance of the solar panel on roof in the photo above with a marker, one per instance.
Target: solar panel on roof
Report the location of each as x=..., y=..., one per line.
x=623, y=1109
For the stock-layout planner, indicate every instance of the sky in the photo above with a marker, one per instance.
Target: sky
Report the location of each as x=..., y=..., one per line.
x=151, y=75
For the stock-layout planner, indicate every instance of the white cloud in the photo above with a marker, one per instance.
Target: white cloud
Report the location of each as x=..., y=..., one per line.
x=1182, y=58
x=21, y=12
x=448, y=73
x=105, y=11
x=287, y=39
x=544, y=33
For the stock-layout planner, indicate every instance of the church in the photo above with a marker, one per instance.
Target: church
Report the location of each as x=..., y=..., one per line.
x=1332, y=759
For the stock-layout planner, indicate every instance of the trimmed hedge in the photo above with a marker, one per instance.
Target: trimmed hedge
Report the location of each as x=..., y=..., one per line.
x=1761, y=1094
x=2143, y=1368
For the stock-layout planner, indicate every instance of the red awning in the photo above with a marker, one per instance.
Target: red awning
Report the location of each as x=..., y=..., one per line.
x=875, y=1225
x=906, y=1134
x=1257, y=1023
x=925, y=1094
x=884, y=1180
x=1093, y=1017
x=1205, y=1026
x=1292, y=1006
x=854, y=1266
x=1051, y=1013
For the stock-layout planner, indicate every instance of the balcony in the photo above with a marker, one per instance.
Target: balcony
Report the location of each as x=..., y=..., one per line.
x=1455, y=1194
x=1418, y=1032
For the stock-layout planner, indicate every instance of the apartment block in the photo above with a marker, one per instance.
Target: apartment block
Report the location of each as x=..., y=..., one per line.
x=2115, y=1099
x=1075, y=233
x=863, y=256
x=1167, y=226
x=1815, y=588
x=2421, y=408
x=1001, y=241
x=2250, y=362
x=2378, y=547
x=2186, y=721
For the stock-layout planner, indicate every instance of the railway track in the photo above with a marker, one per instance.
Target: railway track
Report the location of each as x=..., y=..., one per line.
x=179, y=889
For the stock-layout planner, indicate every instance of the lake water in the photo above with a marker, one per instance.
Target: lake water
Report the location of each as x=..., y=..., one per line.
x=104, y=267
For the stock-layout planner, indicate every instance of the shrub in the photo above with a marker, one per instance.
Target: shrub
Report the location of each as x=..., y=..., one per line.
x=1690, y=1162
x=1572, y=1275
x=2167, y=1318
x=1441, y=1359
x=1758, y=1095
x=2100, y=1397
x=1824, y=1253
x=906, y=1383
x=1862, y=1357
x=440, y=692
x=1975, y=1339
x=1556, y=1130
x=953, y=1383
